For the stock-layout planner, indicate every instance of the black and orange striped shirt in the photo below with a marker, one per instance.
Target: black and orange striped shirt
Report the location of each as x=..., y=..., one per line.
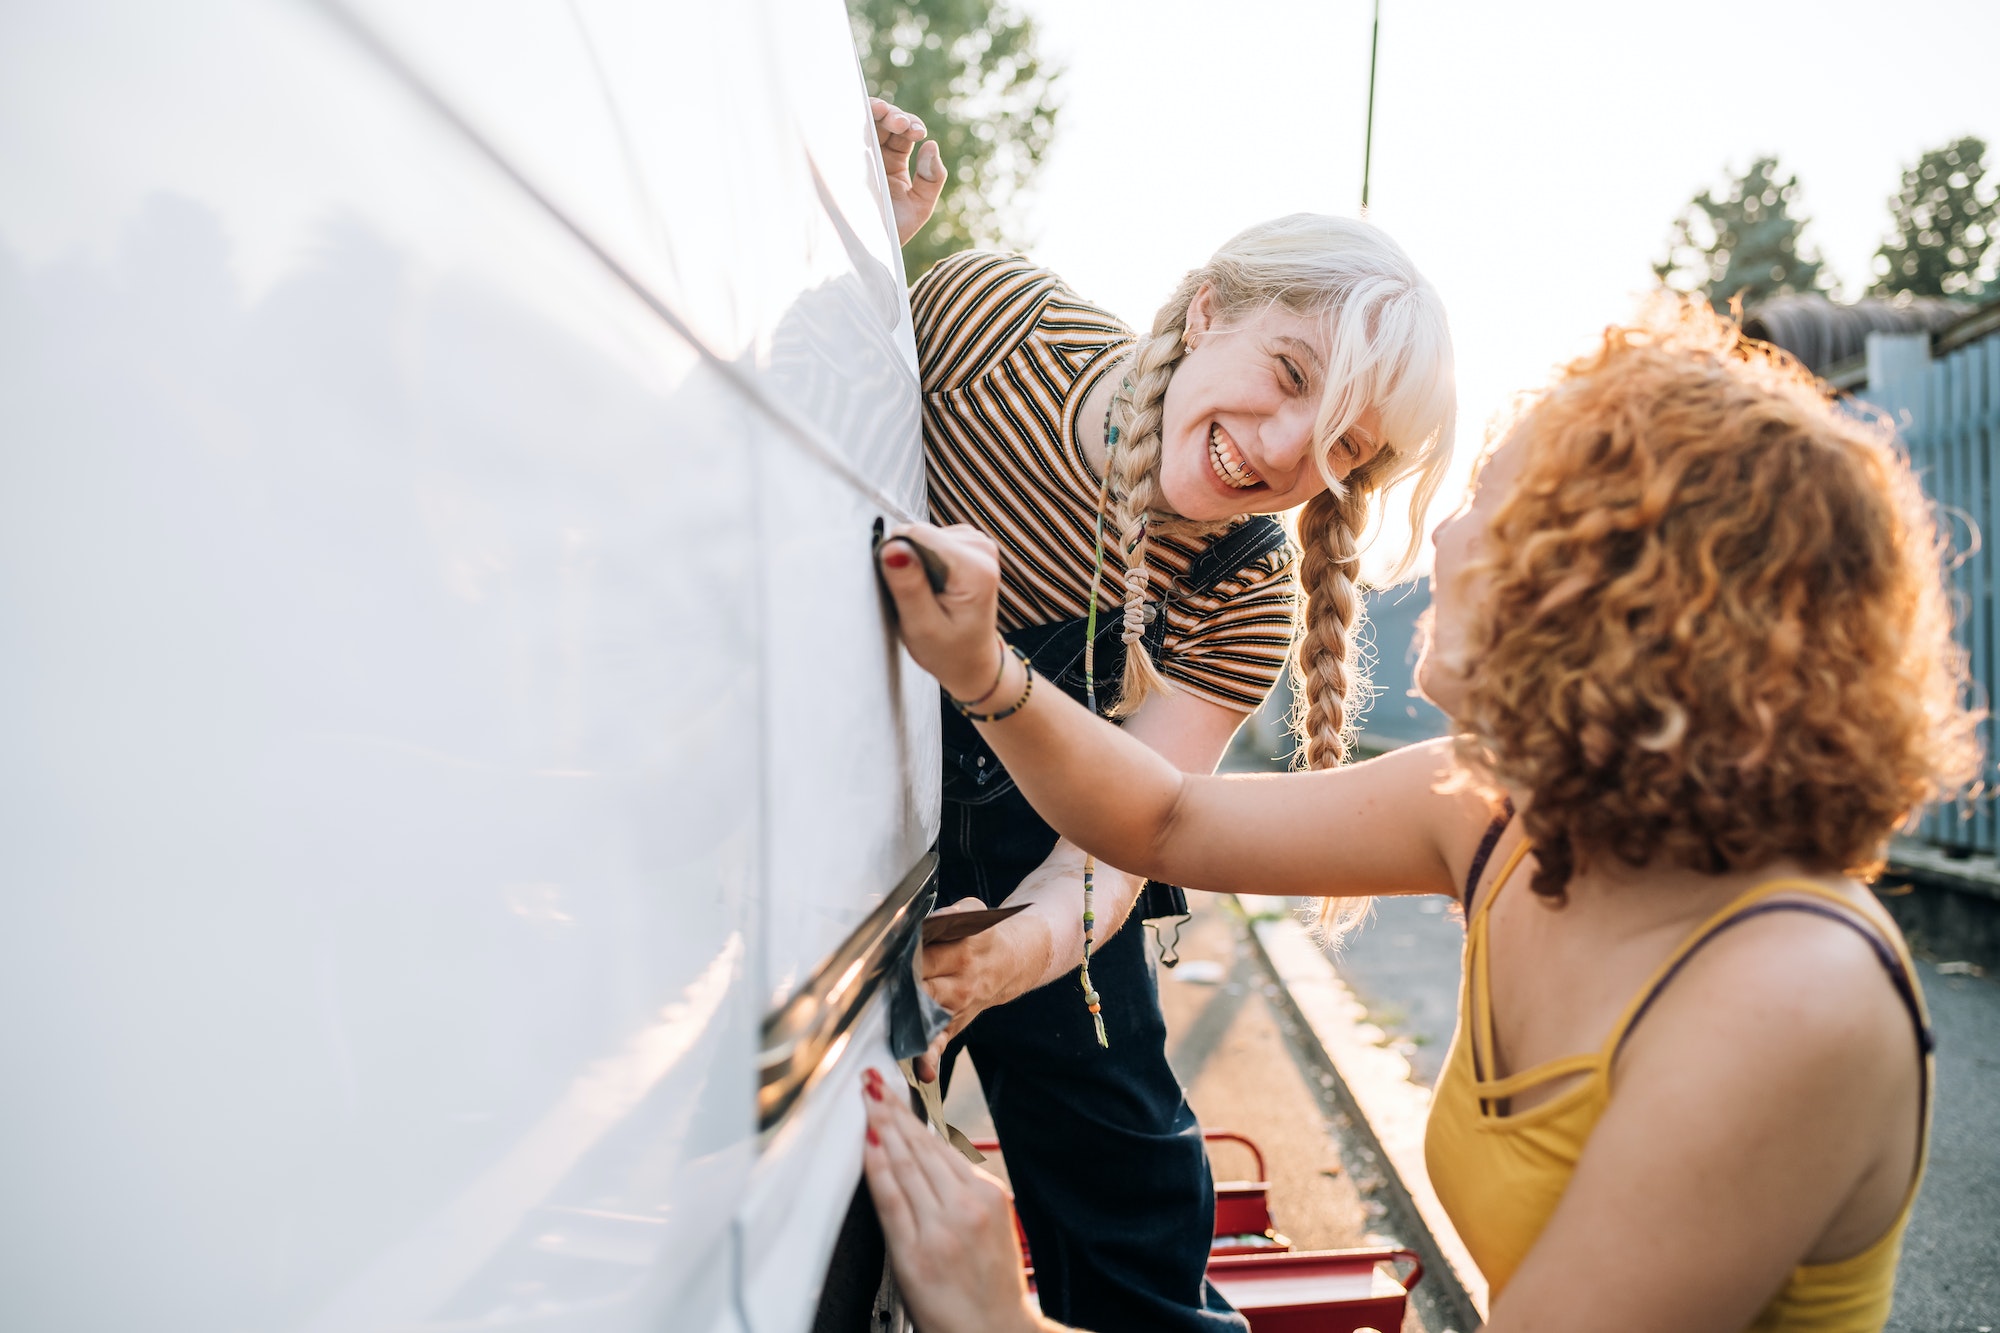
x=1008, y=354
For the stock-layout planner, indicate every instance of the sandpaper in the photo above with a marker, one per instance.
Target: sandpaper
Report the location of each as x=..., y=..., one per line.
x=944, y=927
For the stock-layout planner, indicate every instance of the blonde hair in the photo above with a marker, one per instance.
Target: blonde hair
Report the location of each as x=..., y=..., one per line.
x=1390, y=349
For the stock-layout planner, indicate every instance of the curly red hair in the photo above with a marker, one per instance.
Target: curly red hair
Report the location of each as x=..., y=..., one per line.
x=1715, y=628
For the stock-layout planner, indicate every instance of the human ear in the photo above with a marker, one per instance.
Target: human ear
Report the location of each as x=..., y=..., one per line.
x=1201, y=311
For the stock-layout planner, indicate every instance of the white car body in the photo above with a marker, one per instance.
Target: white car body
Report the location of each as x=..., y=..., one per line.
x=448, y=713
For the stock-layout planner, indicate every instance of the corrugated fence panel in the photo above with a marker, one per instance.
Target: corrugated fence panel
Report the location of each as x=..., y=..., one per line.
x=1982, y=364
x=1949, y=416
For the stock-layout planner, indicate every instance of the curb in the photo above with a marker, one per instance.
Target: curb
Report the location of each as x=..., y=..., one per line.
x=1368, y=1091
x=1949, y=906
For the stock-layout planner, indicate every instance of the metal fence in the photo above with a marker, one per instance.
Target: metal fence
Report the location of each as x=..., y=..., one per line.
x=1947, y=405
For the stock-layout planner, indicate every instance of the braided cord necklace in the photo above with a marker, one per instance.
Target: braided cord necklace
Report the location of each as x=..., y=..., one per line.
x=1090, y=997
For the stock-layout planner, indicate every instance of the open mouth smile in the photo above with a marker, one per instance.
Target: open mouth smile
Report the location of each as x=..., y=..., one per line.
x=1228, y=464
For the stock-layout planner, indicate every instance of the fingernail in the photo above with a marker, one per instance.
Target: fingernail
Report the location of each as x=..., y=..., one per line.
x=896, y=558
x=927, y=168
x=873, y=1137
x=873, y=1090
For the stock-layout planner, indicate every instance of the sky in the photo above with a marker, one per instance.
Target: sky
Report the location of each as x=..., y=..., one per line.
x=1529, y=156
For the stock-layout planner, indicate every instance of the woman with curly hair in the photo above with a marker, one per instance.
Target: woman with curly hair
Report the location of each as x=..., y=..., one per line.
x=1130, y=482
x=1692, y=636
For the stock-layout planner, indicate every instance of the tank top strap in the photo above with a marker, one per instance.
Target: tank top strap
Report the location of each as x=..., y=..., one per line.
x=1478, y=990
x=1499, y=1089
x=1507, y=869
x=1484, y=853
x=1784, y=895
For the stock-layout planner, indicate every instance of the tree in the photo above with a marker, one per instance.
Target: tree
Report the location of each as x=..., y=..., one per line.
x=969, y=70
x=1945, y=222
x=1745, y=245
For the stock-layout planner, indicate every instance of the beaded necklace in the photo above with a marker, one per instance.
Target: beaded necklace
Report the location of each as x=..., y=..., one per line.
x=1090, y=997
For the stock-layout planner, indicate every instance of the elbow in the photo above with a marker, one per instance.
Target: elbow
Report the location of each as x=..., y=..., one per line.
x=1155, y=850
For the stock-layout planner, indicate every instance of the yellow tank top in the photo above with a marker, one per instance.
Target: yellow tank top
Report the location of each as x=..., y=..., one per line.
x=1501, y=1176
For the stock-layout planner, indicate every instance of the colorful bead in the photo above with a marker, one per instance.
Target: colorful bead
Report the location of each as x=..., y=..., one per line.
x=1090, y=999
x=1090, y=701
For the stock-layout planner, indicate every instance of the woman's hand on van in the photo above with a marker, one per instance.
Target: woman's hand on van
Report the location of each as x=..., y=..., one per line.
x=948, y=1225
x=952, y=634
x=916, y=175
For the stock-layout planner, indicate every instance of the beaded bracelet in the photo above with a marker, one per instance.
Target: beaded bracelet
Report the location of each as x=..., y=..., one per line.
x=1027, y=689
x=998, y=676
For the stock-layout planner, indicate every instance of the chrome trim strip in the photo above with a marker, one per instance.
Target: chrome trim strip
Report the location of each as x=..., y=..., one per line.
x=807, y=1033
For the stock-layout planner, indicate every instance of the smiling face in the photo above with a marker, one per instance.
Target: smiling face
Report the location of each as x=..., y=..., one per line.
x=1237, y=435
x=1457, y=589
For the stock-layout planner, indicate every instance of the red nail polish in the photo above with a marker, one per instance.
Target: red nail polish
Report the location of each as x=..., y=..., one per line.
x=896, y=558
x=873, y=1137
x=873, y=1090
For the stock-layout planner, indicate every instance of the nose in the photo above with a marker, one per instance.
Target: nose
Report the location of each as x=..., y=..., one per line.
x=1287, y=439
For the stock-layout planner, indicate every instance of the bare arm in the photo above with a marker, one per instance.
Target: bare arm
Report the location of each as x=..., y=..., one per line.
x=1378, y=827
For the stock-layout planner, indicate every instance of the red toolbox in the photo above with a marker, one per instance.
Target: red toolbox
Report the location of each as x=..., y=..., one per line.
x=1279, y=1289
x=1243, y=1207
x=1318, y=1291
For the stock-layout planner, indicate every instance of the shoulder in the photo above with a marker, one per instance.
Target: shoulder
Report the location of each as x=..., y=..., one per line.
x=977, y=308
x=1807, y=1002
x=969, y=273
x=972, y=308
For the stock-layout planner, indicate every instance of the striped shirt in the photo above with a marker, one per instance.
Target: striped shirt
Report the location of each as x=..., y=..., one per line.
x=1008, y=354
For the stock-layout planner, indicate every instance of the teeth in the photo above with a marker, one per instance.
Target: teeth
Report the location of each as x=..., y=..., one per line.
x=1222, y=456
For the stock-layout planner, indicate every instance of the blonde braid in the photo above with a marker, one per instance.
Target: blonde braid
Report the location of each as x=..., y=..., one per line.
x=1331, y=679
x=1136, y=502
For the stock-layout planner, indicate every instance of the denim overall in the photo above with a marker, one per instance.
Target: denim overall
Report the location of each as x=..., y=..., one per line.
x=1110, y=1176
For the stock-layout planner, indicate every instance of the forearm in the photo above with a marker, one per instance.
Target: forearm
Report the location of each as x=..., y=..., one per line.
x=1053, y=896
x=1130, y=794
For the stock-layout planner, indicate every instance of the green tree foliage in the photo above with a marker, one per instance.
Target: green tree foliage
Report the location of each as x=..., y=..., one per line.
x=1945, y=216
x=969, y=70
x=1745, y=244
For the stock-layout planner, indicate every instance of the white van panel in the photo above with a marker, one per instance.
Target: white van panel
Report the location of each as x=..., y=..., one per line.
x=441, y=711
x=744, y=192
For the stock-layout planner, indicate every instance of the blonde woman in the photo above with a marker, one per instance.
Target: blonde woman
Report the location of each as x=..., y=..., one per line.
x=1305, y=367
x=1693, y=637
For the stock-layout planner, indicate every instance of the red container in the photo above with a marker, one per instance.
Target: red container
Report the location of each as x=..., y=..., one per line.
x=1243, y=1220
x=1243, y=1207
x=1326, y=1291
x=1281, y=1290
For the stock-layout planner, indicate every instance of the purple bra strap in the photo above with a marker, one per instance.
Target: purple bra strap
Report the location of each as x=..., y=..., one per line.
x=1899, y=976
x=1486, y=846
